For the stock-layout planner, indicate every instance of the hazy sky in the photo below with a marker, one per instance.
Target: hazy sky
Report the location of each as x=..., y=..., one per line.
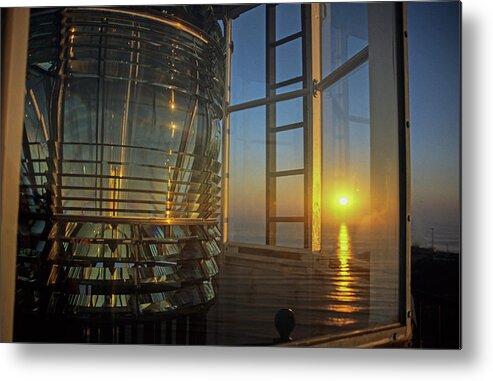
x=434, y=70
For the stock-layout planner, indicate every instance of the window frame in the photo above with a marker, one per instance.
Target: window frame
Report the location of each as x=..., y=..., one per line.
x=386, y=24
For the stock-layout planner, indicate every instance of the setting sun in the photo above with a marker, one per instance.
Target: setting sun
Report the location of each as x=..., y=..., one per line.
x=343, y=201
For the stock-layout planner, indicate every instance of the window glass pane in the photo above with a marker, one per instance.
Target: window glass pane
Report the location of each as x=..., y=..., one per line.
x=289, y=88
x=289, y=60
x=288, y=20
x=290, y=196
x=289, y=149
x=288, y=112
x=290, y=234
x=360, y=198
x=247, y=176
x=347, y=158
x=248, y=58
x=344, y=33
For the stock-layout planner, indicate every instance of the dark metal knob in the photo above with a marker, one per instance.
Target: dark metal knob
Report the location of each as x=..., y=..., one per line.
x=285, y=322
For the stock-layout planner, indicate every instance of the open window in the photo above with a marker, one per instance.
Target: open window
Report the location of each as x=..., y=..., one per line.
x=315, y=166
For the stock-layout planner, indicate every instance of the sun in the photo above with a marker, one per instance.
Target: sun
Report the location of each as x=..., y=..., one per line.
x=343, y=201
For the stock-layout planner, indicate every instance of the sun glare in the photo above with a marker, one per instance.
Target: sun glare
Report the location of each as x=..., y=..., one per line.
x=343, y=201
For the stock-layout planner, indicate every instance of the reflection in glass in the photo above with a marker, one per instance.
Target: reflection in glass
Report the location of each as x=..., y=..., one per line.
x=347, y=157
x=344, y=33
x=360, y=201
x=288, y=20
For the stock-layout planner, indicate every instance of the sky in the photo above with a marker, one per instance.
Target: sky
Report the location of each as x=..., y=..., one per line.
x=434, y=93
x=434, y=73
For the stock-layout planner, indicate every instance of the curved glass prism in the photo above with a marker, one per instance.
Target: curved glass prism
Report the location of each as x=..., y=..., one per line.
x=123, y=112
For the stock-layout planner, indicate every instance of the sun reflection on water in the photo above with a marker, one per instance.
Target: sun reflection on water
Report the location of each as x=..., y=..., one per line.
x=343, y=254
x=344, y=295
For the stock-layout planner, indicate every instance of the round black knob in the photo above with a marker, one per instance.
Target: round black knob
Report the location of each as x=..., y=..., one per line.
x=285, y=322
